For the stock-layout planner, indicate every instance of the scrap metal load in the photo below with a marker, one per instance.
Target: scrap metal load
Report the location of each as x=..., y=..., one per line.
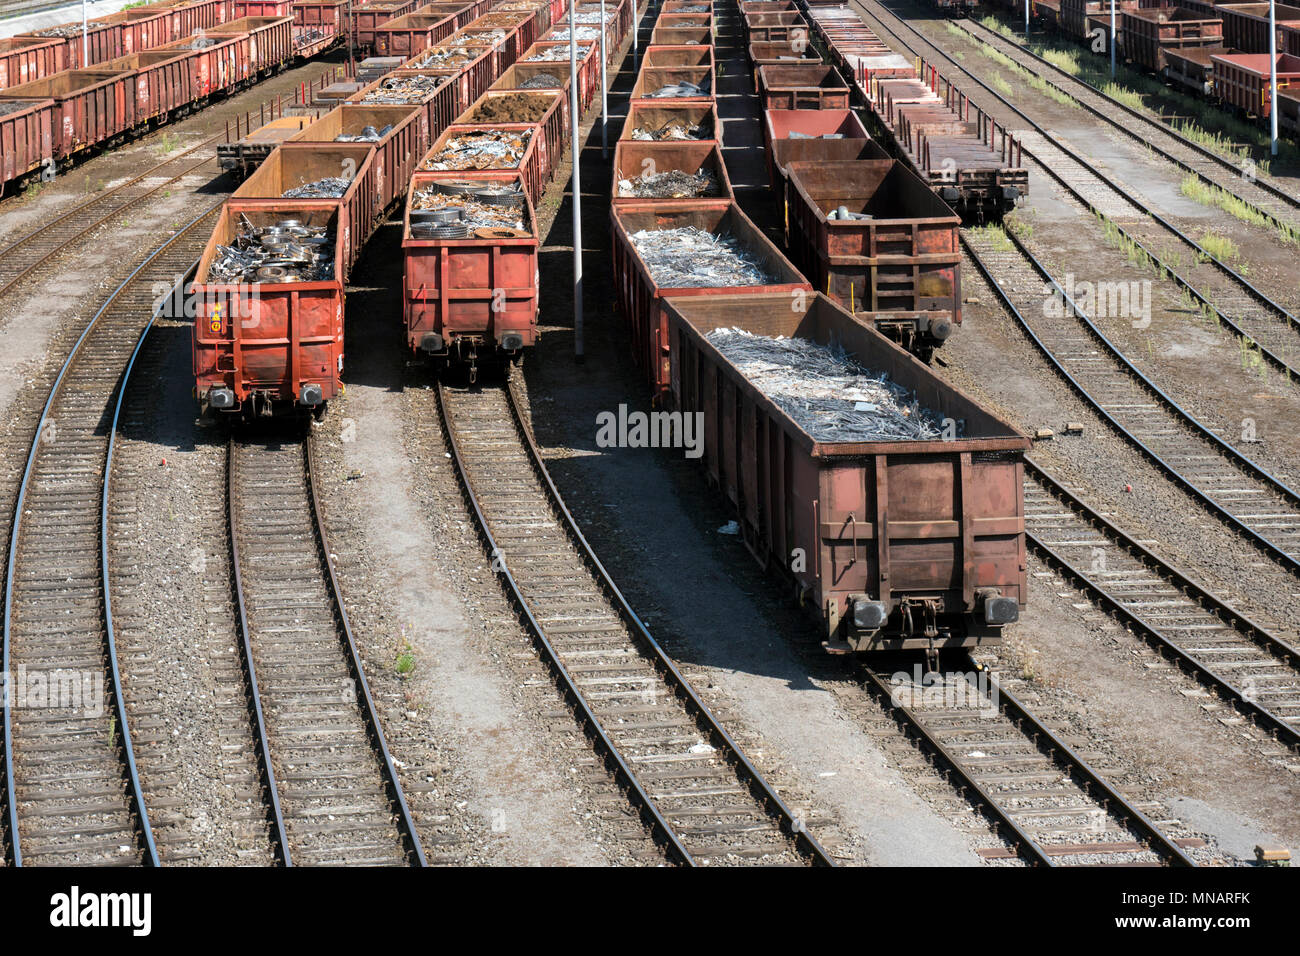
x=970, y=160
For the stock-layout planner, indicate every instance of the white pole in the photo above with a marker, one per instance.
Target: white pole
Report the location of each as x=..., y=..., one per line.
x=85, y=39
x=1112, y=37
x=604, y=88
x=1026, y=17
x=636, y=28
x=575, y=118
x=1272, y=71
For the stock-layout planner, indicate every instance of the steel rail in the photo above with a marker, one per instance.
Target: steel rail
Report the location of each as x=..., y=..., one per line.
x=1280, y=312
x=275, y=812
x=136, y=796
x=1155, y=121
x=791, y=825
x=1252, y=631
x=1277, y=553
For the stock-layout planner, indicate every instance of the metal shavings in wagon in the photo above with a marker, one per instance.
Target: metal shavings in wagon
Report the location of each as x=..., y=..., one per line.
x=679, y=90
x=367, y=135
x=542, y=81
x=447, y=56
x=584, y=35
x=674, y=184
x=553, y=54
x=826, y=392
x=690, y=258
x=673, y=130
x=405, y=89
x=507, y=213
x=486, y=149
x=331, y=187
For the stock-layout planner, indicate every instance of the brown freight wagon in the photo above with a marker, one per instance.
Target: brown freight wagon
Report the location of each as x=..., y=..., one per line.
x=409, y=34
x=642, y=300
x=650, y=116
x=261, y=8
x=652, y=79
x=473, y=297
x=439, y=106
x=588, y=65
x=92, y=106
x=103, y=41
x=774, y=27
x=270, y=41
x=1193, y=67
x=218, y=67
x=1147, y=34
x=814, y=86
x=1245, y=25
x=1075, y=13
x=292, y=165
x=899, y=265
x=267, y=346
x=779, y=54
x=397, y=152
x=190, y=17
x=23, y=59
x=244, y=155
x=164, y=82
x=655, y=56
x=323, y=14
x=542, y=76
x=369, y=18
x=1288, y=111
x=471, y=75
x=680, y=36
x=532, y=168
x=546, y=109
x=1241, y=80
x=27, y=135
x=634, y=159
x=824, y=135
x=891, y=545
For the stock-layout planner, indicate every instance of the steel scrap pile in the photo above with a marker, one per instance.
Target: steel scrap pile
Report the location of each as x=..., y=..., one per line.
x=331, y=187
x=553, y=54
x=454, y=210
x=482, y=149
x=673, y=130
x=481, y=38
x=674, y=184
x=400, y=90
x=288, y=251
x=584, y=35
x=827, y=393
x=690, y=258
x=542, y=81
x=368, y=134
x=678, y=90
x=198, y=43
x=447, y=56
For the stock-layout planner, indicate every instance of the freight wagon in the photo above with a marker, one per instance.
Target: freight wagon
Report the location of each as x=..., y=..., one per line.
x=811, y=136
x=1245, y=25
x=891, y=545
x=634, y=160
x=814, y=86
x=269, y=41
x=643, y=290
x=471, y=297
x=877, y=240
x=1242, y=80
x=91, y=107
x=28, y=129
x=1147, y=34
x=670, y=121
x=407, y=35
x=403, y=139
x=366, y=20
x=23, y=59
x=268, y=347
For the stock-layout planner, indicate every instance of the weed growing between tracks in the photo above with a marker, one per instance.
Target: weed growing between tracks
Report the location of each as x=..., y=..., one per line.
x=1217, y=197
x=995, y=236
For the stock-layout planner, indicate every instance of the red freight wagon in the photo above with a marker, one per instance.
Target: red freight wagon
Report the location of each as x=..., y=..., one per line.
x=23, y=59
x=802, y=87
x=164, y=81
x=408, y=35
x=472, y=295
x=532, y=168
x=398, y=150
x=103, y=41
x=1245, y=25
x=92, y=106
x=1147, y=34
x=1242, y=80
x=265, y=346
x=694, y=55
x=588, y=65
x=848, y=140
x=261, y=8
x=779, y=54
x=633, y=159
x=27, y=130
x=218, y=66
x=642, y=300
x=292, y=165
x=439, y=106
x=546, y=109
x=911, y=544
x=1075, y=14
x=367, y=19
x=773, y=27
x=650, y=116
x=270, y=41
x=551, y=76
x=189, y=18
x=323, y=14
x=681, y=36
x=144, y=28
x=900, y=264
x=1288, y=111
x=1193, y=67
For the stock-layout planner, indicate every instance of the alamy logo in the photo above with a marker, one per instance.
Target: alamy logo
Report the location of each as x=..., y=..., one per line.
x=651, y=430
x=75, y=909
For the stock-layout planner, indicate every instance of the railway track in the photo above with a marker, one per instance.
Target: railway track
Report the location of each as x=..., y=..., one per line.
x=1239, y=658
x=333, y=791
x=1218, y=289
x=1241, y=493
x=1268, y=198
x=73, y=794
x=695, y=790
x=1043, y=797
